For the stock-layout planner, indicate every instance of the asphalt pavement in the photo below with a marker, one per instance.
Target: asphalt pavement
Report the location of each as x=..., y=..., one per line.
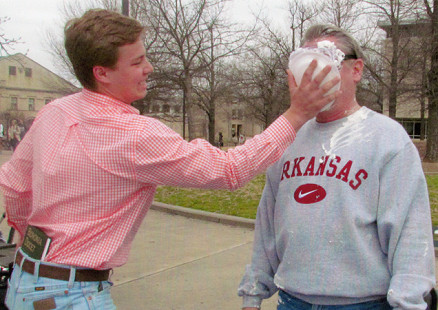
x=178, y=262
x=183, y=259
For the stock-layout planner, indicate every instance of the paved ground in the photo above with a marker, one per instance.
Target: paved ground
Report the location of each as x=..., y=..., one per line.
x=190, y=262
x=430, y=168
x=182, y=263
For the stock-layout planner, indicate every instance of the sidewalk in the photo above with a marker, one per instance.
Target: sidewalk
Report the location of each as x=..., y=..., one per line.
x=182, y=263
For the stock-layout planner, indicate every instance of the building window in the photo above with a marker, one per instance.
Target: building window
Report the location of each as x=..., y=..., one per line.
x=155, y=108
x=12, y=70
x=14, y=103
x=236, y=130
x=31, y=102
x=47, y=101
x=413, y=127
x=177, y=109
x=28, y=72
x=237, y=114
x=166, y=108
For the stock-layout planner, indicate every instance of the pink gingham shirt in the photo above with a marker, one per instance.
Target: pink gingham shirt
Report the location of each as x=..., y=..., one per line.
x=87, y=170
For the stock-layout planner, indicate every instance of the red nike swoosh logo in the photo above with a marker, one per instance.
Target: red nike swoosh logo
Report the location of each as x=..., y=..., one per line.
x=301, y=194
x=309, y=193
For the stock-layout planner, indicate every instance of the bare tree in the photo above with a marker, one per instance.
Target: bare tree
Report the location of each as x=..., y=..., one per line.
x=432, y=132
x=226, y=41
x=391, y=14
x=341, y=13
x=6, y=43
x=189, y=39
x=370, y=91
x=262, y=76
x=300, y=14
x=178, y=34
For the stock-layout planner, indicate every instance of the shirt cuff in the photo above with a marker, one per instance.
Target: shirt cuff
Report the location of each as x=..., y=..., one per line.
x=251, y=301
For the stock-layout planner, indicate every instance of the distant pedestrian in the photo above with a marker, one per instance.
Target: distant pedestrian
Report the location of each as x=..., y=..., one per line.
x=2, y=136
x=14, y=134
x=22, y=129
x=221, y=140
x=235, y=140
x=242, y=139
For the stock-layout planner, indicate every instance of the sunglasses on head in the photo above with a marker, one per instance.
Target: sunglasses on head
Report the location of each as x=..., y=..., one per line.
x=347, y=57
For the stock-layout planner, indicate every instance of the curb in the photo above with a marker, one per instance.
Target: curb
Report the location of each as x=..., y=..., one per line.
x=204, y=215
x=226, y=219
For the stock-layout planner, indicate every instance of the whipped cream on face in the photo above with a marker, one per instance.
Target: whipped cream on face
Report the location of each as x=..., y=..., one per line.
x=329, y=49
x=326, y=53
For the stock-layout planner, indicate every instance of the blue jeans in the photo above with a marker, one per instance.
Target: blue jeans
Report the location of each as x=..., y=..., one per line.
x=287, y=302
x=28, y=291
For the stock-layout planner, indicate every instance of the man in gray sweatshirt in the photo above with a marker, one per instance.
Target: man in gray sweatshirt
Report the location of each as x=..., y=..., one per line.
x=344, y=220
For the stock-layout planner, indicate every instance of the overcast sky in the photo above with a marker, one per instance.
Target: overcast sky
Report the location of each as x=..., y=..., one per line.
x=30, y=20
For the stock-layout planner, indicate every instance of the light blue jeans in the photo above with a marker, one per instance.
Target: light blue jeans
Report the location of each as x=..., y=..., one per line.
x=28, y=291
x=287, y=302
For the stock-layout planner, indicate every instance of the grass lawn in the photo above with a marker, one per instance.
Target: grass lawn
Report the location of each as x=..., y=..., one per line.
x=244, y=201
x=432, y=182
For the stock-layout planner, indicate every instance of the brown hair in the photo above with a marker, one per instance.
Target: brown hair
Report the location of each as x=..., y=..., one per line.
x=93, y=40
x=348, y=44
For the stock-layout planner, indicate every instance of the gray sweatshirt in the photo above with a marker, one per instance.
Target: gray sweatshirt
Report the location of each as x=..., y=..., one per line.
x=344, y=218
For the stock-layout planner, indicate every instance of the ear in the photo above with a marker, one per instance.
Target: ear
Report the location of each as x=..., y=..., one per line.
x=101, y=74
x=358, y=70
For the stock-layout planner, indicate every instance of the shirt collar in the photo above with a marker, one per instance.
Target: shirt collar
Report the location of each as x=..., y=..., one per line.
x=101, y=101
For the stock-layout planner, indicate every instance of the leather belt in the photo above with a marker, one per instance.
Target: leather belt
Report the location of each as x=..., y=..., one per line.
x=60, y=273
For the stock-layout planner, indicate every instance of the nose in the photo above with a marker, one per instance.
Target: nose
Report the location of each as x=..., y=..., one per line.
x=148, y=68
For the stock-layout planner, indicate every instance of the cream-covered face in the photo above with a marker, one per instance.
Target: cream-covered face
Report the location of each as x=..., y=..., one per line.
x=351, y=74
x=127, y=80
x=326, y=53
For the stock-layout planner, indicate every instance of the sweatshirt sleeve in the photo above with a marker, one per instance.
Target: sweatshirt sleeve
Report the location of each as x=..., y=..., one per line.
x=405, y=230
x=258, y=280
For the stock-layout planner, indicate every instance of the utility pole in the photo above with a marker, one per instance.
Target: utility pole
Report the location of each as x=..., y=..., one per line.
x=125, y=7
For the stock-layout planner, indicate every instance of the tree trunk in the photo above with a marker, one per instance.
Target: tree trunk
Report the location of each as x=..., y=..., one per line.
x=191, y=119
x=423, y=98
x=423, y=119
x=393, y=89
x=432, y=130
x=211, y=126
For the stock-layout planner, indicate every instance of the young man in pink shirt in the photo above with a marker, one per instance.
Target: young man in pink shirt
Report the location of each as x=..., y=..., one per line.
x=86, y=172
